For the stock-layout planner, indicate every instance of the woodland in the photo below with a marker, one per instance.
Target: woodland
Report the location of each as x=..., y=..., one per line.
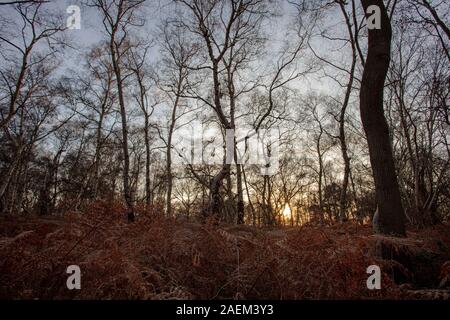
x=224, y=149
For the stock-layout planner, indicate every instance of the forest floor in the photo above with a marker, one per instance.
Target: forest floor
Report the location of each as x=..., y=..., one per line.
x=169, y=259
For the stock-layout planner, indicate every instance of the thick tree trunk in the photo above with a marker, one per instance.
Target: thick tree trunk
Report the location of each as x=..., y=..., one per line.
x=215, y=201
x=391, y=216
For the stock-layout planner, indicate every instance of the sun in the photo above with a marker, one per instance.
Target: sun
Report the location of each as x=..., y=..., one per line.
x=287, y=211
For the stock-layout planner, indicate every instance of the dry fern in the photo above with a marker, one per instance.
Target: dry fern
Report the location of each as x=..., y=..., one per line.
x=166, y=259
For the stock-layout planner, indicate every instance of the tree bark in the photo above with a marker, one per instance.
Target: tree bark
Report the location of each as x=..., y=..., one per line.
x=391, y=216
x=215, y=201
x=240, y=194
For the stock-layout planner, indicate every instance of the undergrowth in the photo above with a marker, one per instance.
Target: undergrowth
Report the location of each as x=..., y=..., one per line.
x=156, y=258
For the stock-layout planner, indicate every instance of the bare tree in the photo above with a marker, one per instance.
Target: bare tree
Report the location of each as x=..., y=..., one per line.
x=226, y=42
x=23, y=2
x=178, y=52
x=91, y=90
x=118, y=16
x=143, y=75
x=352, y=29
x=26, y=111
x=390, y=217
x=33, y=32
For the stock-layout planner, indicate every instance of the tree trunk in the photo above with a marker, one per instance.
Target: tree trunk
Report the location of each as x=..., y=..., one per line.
x=19, y=84
x=344, y=150
x=169, y=166
x=126, y=157
x=320, y=181
x=148, y=191
x=97, y=159
x=240, y=194
x=215, y=201
x=169, y=143
x=250, y=203
x=391, y=216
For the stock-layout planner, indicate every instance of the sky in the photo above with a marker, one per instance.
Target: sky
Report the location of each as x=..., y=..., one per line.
x=91, y=33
